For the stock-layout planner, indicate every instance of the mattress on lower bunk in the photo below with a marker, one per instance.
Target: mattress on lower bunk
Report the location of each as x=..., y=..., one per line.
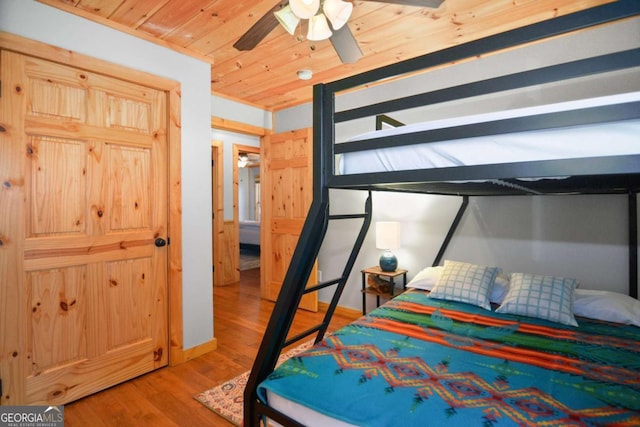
x=603, y=139
x=419, y=361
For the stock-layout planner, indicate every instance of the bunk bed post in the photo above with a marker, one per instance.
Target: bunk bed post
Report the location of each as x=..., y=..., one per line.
x=633, y=244
x=452, y=230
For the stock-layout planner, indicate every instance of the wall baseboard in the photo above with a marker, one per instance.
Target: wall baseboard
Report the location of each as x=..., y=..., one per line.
x=342, y=311
x=178, y=357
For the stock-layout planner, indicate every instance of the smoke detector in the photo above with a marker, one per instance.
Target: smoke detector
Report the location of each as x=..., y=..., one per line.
x=305, y=74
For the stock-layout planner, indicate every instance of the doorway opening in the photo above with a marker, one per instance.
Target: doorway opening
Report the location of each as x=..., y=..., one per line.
x=247, y=202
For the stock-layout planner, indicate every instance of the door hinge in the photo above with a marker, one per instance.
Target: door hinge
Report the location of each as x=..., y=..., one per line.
x=168, y=240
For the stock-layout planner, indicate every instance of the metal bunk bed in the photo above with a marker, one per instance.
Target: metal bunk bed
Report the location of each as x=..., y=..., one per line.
x=596, y=175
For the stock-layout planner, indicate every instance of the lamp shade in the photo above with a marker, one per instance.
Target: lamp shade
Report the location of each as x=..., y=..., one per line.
x=318, y=28
x=304, y=9
x=337, y=11
x=387, y=235
x=287, y=19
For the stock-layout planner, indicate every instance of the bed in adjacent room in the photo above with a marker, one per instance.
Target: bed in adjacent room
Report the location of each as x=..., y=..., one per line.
x=250, y=233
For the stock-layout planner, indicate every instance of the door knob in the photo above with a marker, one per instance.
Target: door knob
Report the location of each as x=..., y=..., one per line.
x=160, y=242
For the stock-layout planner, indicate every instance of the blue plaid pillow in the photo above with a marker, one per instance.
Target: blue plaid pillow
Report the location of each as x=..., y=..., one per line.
x=464, y=282
x=544, y=297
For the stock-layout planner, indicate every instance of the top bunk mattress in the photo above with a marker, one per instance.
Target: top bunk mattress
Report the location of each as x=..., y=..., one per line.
x=593, y=140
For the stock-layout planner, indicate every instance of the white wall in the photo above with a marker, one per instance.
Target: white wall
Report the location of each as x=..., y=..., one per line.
x=227, y=109
x=298, y=117
x=583, y=237
x=36, y=21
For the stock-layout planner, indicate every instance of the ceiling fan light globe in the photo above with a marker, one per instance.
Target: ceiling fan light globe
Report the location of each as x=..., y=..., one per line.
x=304, y=9
x=318, y=28
x=338, y=12
x=287, y=19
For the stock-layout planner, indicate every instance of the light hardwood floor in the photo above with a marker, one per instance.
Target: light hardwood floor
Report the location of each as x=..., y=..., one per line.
x=165, y=397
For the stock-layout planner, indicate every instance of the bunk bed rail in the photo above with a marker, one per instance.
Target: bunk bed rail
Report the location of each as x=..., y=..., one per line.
x=442, y=180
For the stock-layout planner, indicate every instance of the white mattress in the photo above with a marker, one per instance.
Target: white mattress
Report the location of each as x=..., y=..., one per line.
x=302, y=414
x=604, y=139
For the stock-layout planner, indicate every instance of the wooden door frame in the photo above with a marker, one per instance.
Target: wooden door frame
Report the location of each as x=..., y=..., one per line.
x=18, y=44
x=217, y=197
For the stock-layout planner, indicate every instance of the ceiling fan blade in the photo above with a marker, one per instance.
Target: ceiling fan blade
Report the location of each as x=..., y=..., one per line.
x=260, y=29
x=346, y=45
x=434, y=4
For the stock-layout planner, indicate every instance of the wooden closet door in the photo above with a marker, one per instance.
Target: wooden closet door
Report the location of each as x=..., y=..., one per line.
x=83, y=301
x=287, y=193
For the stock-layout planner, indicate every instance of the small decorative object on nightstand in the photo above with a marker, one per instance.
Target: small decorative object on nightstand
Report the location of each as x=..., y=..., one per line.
x=387, y=238
x=381, y=283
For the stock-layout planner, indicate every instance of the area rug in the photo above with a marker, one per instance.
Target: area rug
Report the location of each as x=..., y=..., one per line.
x=249, y=260
x=226, y=399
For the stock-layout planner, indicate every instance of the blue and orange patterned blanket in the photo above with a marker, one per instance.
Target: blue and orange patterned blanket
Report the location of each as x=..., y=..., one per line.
x=417, y=361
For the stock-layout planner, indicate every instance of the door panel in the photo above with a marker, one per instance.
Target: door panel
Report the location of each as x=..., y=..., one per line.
x=57, y=300
x=92, y=165
x=287, y=192
x=58, y=188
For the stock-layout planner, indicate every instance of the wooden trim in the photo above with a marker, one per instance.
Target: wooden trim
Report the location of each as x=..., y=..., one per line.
x=14, y=43
x=233, y=126
x=193, y=352
x=176, y=336
x=218, y=211
x=69, y=8
x=231, y=253
x=51, y=53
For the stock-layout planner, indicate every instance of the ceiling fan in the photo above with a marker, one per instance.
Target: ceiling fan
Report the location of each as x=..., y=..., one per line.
x=289, y=12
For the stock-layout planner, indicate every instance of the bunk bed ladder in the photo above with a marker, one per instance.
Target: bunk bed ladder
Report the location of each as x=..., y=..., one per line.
x=341, y=281
x=299, y=271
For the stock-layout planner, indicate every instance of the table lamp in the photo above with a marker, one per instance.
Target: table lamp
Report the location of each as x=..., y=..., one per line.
x=387, y=238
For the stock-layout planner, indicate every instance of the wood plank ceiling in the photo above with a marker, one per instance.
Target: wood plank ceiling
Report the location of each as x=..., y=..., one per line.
x=266, y=76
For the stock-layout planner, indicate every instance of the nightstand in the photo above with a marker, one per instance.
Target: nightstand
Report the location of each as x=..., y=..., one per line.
x=387, y=276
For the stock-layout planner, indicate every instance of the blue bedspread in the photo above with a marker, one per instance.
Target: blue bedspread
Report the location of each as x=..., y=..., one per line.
x=417, y=361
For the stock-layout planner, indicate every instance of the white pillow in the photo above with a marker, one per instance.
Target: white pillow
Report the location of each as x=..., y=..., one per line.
x=426, y=279
x=500, y=287
x=605, y=305
x=544, y=297
x=464, y=282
